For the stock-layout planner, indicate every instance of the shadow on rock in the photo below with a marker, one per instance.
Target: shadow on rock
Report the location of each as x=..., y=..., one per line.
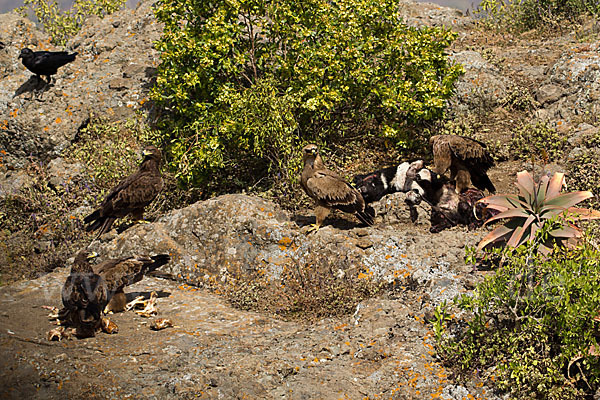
x=35, y=85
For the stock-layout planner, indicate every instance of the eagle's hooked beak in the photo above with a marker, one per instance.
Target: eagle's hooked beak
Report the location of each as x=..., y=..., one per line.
x=92, y=255
x=146, y=153
x=313, y=151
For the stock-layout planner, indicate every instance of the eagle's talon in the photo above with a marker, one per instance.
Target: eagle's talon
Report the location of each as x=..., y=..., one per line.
x=53, y=312
x=313, y=228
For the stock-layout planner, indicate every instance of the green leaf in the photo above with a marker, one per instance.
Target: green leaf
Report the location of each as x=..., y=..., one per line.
x=513, y=212
x=567, y=200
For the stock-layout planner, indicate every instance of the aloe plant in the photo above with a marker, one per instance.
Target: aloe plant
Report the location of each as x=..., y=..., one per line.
x=537, y=204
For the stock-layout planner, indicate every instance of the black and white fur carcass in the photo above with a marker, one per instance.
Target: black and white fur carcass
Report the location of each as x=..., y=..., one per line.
x=449, y=208
x=420, y=184
x=375, y=185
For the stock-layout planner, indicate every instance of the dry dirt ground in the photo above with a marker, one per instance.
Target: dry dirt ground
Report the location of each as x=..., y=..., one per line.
x=383, y=350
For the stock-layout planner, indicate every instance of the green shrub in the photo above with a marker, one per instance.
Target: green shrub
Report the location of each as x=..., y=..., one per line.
x=248, y=83
x=539, y=139
x=530, y=329
x=529, y=14
x=62, y=25
x=584, y=173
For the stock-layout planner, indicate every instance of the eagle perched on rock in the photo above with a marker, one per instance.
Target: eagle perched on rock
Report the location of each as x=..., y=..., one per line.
x=131, y=195
x=467, y=159
x=91, y=290
x=84, y=296
x=328, y=189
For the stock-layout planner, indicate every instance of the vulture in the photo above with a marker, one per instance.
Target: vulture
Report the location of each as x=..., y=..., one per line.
x=118, y=273
x=328, y=189
x=130, y=196
x=45, y=63
x=84, y=296
x=467, y=159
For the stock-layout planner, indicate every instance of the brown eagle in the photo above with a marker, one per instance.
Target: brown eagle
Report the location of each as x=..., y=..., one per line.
x=328, y=189
x=467, y=159
x=131, y=195
x=118, y=273
x=91, y=290
x=84, y=296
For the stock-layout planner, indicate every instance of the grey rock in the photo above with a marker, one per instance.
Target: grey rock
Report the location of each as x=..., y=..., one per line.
x=63, y=174
x=392, y=209
x=42, y=129
x=233, y=235
x=581, y=133
x=482, y=87
x=14, y=182
x=549, y=93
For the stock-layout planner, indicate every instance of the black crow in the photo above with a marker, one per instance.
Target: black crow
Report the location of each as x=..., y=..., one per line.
x=45, y=63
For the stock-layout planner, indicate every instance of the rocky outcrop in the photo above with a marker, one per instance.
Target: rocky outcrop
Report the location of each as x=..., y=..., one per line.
x=237, y=235
x=384, y=349
x=215, y=351
x=573, y=83
x=110, y=78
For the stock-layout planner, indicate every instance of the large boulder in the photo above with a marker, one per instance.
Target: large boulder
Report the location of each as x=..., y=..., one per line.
x=238, y=235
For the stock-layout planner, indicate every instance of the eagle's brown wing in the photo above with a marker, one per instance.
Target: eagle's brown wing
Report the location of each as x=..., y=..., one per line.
x=137, y=193
x=330, y=190
x=464, y=154
x=472, y=152
x=126, y=271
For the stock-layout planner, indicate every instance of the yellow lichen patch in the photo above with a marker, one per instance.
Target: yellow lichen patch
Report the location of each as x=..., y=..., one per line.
x=14, y=113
